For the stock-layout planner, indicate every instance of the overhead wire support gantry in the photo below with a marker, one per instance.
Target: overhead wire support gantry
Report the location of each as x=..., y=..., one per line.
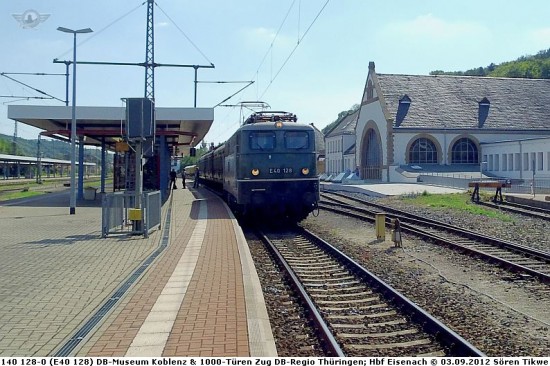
x=143, y=64
x=149, y=64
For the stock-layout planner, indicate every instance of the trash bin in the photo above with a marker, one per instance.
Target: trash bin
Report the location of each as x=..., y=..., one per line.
x=89, y=193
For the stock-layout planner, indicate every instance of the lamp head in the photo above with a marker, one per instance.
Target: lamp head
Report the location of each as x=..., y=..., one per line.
x=67, y=30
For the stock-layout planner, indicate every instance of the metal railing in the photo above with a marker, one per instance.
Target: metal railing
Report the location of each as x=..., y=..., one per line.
x=528, y=186
x=115, y=217
x=522, y=186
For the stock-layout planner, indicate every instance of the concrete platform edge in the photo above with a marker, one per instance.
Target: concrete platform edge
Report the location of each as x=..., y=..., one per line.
x=353, y=189
x=260, y=335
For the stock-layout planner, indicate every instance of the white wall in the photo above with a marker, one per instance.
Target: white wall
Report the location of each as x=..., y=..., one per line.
x=514, y=159
x=334, y=152
x=371, y=113
x=445, y=141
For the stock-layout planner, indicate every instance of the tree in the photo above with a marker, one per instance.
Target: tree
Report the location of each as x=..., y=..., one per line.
x=532, y=67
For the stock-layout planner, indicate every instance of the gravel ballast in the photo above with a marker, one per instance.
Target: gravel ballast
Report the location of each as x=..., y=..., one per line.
x=501, y=313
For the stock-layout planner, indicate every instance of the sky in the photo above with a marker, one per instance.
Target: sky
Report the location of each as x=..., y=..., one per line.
x=308, y=57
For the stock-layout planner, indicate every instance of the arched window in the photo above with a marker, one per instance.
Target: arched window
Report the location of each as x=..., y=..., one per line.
x=423, y=151
x=464, y=152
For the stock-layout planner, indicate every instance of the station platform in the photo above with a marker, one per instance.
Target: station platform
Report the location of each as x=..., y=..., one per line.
x=397, y=189
x=189, y=289
x=388, y=189
x=537, y=200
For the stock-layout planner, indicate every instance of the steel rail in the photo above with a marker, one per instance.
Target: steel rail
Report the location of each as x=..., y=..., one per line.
x=327, y=338
x=422, y=233
x=541, y=255
x=519, y=209
x=458, y=346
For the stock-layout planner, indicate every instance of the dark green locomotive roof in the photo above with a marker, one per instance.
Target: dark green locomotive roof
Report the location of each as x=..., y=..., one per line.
x=271, y=126
x=270, y=116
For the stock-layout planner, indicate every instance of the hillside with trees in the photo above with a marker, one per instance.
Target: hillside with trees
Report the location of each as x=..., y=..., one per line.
x=53, y=149
x=530, y=67
x=341, y=116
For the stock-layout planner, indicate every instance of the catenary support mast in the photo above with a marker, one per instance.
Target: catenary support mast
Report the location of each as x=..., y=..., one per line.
x=150, y=53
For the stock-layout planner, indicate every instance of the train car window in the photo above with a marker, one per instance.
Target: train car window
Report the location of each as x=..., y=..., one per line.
x=261, y=140
x=296, y=140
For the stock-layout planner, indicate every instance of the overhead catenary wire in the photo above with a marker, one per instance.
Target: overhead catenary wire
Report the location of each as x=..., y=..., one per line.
x=32, y=88
x=185, y=35
x=23, y=97
x=269, y=53
x=270, y=48
x=299, y=17
x=96, y=33
x=237, y=92
x=295, y=47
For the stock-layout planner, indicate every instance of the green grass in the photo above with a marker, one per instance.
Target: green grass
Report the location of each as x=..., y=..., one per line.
x=21, y=194
x=456, y=201
x=11, y=191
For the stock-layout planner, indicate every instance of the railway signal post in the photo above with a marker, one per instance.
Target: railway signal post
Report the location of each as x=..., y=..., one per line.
x=140, y=126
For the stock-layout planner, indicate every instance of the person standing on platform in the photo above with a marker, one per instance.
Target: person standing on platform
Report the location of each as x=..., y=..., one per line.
x=196, y=182
x=183, y=178
x=173, y=176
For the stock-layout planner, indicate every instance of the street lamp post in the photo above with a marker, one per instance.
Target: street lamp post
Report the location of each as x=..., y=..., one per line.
x=72, y=209
x=482, y=167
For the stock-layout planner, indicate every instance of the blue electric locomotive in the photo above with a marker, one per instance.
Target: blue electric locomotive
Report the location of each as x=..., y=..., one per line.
x=267, y=168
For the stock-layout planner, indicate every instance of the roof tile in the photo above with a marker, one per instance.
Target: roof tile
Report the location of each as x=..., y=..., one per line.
x=453, y=101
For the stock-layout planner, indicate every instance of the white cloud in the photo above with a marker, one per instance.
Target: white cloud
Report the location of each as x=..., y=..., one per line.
x=540, y=38
x=429, y=27
x=261, y=36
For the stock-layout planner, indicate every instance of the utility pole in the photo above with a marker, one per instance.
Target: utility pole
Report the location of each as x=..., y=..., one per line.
x=149, y=94
x=150, y=53
x=14, y=141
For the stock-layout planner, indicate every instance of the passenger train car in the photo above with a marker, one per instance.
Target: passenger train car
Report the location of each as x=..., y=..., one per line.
x=267, y=168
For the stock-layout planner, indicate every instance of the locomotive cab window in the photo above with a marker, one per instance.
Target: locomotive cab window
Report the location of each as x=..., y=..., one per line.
x=261, y=140
x=296, y=140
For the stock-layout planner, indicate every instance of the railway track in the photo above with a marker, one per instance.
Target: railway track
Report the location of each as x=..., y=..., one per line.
x=356, y=313
x=512, y=256
x=537, y=212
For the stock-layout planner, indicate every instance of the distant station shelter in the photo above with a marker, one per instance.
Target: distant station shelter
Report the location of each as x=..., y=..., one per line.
x=15, y=166
x=176, y=131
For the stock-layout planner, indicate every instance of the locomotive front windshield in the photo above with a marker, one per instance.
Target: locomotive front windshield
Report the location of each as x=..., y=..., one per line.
x=261, y=140
x=296, y=140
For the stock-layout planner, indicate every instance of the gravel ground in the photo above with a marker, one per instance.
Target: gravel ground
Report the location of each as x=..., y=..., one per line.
x=292, y=333
x=500, y=313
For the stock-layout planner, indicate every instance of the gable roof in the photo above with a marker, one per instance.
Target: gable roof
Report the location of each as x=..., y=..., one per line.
x=350, y=150
x=441, y=101
x=346, y=125
x=319, y=140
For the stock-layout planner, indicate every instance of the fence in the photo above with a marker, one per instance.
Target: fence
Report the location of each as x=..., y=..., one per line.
x=520, y=186
x=115, y=213
x=528, y=186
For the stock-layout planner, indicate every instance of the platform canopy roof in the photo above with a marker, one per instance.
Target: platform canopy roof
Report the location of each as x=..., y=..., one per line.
x=183, y=127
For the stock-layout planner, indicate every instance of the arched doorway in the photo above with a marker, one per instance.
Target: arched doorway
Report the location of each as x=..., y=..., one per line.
x=371, y=162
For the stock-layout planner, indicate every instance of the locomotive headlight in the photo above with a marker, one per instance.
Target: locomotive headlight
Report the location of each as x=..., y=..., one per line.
x=255, y=172
x=278, y=124
x=305, y=171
